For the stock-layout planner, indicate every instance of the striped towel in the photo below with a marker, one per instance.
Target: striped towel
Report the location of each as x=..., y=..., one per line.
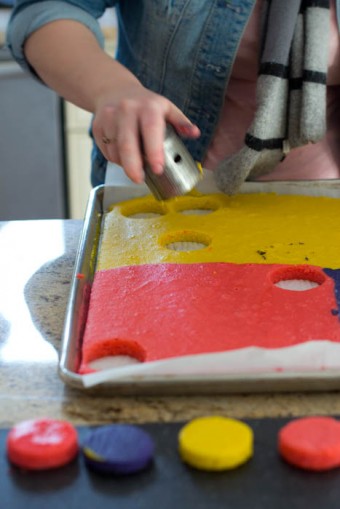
x=291, y=90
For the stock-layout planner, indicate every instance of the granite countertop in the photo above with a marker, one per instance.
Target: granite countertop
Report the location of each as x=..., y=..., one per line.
x=37, y=260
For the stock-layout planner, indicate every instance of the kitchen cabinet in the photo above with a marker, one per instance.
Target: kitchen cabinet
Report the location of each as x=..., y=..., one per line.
x=32, y=170
x=78, y=149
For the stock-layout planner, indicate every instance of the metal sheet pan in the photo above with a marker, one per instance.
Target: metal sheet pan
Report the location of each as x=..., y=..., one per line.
x=146, y=384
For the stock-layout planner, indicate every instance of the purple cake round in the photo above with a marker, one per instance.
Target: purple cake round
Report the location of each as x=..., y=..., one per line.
x=118, y=449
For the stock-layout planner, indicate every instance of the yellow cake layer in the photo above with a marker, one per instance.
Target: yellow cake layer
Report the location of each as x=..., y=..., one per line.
x=246, y=228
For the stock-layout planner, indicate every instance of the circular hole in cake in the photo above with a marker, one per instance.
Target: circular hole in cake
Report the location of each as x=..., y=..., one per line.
x=109, y=353
x=296, y=285
x=186, y=246
x=298, y=278
x=112, y=361
x=186, y=241
x=196, y=212
x=143, y=211
x=191, y=206
x=144, y=215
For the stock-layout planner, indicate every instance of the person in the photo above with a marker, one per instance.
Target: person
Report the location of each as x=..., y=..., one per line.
x=194, y=64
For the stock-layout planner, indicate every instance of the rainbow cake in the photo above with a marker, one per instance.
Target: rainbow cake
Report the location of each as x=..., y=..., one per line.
x=212, y=273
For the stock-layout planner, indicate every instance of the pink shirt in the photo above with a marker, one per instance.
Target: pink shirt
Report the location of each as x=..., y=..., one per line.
x=315, y=161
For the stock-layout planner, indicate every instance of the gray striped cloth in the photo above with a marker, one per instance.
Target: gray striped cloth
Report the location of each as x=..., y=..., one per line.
x=291, y=90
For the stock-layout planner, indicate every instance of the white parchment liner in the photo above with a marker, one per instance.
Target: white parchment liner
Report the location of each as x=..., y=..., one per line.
x=313, y=355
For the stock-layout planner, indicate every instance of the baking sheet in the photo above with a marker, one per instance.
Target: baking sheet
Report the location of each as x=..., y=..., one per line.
x=248, y=369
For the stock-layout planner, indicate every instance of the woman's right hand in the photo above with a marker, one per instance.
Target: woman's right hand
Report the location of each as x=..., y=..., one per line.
x=127, y=116
x=129, y=126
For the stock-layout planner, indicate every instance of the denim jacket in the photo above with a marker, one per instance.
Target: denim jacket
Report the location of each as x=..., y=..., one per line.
x=182, y=49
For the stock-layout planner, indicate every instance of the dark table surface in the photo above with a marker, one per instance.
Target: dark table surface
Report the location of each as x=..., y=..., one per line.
x=265, y=482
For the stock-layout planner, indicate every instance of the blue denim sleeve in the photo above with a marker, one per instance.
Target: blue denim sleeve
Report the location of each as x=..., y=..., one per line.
x=29, y=15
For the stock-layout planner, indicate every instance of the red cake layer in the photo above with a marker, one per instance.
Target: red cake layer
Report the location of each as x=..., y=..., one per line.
x=158, y=311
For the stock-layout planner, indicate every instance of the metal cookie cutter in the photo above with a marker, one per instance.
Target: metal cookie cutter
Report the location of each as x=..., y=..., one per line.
x=181, y=173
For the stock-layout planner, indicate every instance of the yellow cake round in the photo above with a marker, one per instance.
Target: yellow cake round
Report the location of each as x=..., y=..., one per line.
x=215, y=443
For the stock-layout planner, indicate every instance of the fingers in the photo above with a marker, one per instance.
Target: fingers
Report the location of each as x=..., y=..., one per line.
x=152, y=126
x=182, y=124
x=128, y=143
x=133, y=130
x=153, y=129
x=116, y=132
x=104, y=133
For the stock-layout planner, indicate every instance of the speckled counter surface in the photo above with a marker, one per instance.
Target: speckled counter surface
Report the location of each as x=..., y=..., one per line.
x=37, y=260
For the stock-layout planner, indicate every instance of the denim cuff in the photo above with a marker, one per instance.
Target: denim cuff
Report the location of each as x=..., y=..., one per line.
x=28, y=20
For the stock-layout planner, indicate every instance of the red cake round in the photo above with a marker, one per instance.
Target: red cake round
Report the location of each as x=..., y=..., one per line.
x=41, y=444
x=311, y=443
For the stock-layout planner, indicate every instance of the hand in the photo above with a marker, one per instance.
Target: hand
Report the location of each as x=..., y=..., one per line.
x=130, y=123
x=127, y=116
